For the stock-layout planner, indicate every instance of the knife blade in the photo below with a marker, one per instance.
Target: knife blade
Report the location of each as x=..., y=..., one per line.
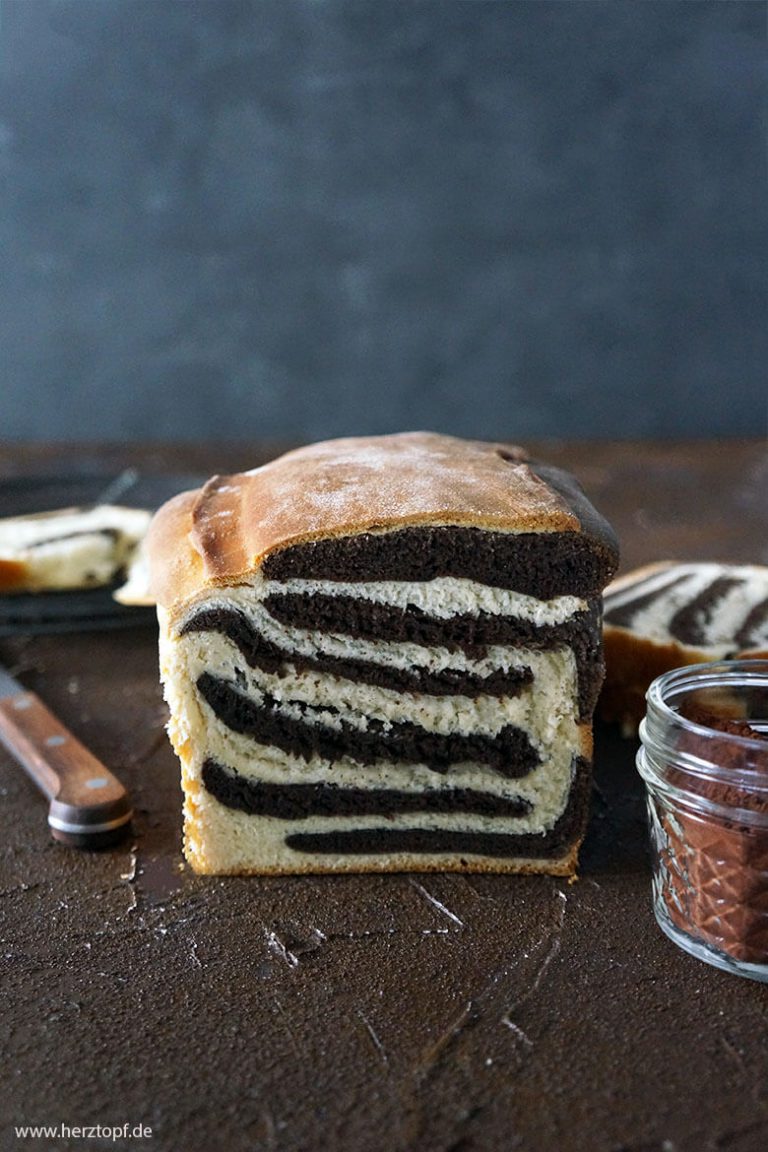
x=88, y=806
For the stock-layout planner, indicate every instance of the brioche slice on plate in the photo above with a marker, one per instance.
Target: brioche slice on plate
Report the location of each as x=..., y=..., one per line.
x=669, y=614
x=69, y=548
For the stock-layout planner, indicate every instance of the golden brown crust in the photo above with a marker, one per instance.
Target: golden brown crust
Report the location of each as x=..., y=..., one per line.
x=563, y=866
x=222, y=532
x=175, y=568
x=13, y=575
x=631, y=663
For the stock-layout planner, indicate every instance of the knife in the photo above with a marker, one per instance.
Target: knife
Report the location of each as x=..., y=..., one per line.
x=89, y=807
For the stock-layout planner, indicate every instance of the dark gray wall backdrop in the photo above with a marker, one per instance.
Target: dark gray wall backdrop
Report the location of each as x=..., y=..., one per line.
x=308, y=218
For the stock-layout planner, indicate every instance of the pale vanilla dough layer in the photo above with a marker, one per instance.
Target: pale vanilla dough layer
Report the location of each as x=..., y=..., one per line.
x=443, y=597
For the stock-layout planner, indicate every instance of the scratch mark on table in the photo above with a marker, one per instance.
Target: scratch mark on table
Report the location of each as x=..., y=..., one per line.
x=130, y=875
x=128, y=878
x=466, y=883
x=733, y=1052
x=517, y=1031
x=289, y=942
x=270, y=1129
x=377, y=1044
x=727, y=1138
x=288, y=1028
x=366, y=934
x=158, y=740
x=435, y=902
x=432, y=1055
x=279, y=948
x=22, y=887
x=550, y=954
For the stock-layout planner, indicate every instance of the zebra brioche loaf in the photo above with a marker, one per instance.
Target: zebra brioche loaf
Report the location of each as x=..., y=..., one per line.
x=383, y=654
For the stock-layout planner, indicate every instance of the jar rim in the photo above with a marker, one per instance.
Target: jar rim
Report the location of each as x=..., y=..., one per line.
x=716, y=674
x=663, y=725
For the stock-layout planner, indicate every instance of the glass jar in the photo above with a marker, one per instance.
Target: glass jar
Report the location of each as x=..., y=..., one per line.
x=704, y=760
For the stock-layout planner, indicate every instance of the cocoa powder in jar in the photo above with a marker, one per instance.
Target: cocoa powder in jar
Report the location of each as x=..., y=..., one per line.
x=718, y=886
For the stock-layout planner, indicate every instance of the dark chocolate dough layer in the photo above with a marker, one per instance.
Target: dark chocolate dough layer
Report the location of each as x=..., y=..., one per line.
x=472, y=633
x=749, y=633
x=510, y=752
x=300, y=801
x=541, y=564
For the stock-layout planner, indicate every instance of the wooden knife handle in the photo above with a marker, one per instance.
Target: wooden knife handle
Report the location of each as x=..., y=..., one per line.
x=89, y=806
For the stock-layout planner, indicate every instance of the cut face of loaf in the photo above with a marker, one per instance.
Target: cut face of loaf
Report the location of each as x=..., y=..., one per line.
x=404, y=696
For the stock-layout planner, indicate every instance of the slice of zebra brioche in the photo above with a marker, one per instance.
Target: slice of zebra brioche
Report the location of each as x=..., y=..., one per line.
x=383, y=654
x=68, y=548
x=668, y=614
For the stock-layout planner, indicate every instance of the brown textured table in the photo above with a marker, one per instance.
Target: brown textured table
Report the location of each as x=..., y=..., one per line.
x=433, y=1013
